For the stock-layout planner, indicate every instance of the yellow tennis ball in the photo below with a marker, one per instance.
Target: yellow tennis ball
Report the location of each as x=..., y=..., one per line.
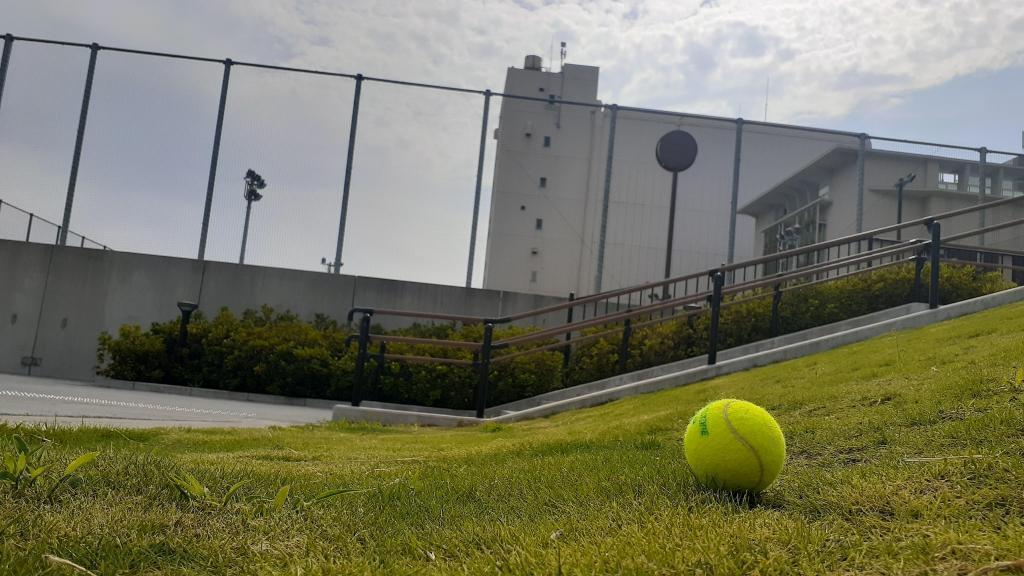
x=734, y=445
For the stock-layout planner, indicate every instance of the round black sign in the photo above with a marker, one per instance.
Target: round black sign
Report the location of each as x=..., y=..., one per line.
x=676, y=151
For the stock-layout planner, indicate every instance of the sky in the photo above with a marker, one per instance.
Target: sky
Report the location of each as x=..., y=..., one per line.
x=941, y=70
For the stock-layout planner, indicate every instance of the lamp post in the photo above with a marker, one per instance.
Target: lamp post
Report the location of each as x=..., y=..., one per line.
x=187, y=308
x=675, y=152
x=899, y=200
x=253, y=184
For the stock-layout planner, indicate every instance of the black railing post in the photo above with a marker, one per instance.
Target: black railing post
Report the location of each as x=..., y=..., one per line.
x=347, y=183
x=5, y=61
x=776, y=300
x=484, y=368
x=476, y=193
x=716, y=308
x=567, y=350
x=919, y=261
x=936, y=244
x=627, y=333
x=361, y=357
x=83, y=115
x=218, y=129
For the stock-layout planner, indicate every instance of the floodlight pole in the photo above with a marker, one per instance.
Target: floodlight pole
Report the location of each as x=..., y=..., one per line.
x=245, y=229
x=253, y=184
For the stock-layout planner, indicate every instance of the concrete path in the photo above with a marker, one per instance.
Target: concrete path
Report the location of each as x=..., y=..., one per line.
x=44, y=400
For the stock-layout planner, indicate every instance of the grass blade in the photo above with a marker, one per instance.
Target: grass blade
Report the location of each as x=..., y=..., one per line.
x=334, y=492
x=64, y=562
x=282, y=496
x=231, y=492
x=20, y=445
x=79, y=462
x=33, y=474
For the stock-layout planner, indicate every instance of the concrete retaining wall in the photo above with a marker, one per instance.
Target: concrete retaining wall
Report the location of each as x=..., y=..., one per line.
x=55, y=301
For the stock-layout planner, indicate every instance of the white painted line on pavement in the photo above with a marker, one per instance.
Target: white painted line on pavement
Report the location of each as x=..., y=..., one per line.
x=84, y=400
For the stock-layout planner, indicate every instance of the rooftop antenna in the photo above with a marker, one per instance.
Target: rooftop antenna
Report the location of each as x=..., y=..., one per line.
x=561, y=65
x=767, y=83
x=551, y=53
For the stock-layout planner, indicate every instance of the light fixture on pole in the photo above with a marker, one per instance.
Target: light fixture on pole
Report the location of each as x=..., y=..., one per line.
x=330, y=265
x=675, y=152
x=899, y=200
x=253, y=184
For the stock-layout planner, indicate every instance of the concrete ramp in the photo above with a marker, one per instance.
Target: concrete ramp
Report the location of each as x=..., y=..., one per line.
x=688, y=371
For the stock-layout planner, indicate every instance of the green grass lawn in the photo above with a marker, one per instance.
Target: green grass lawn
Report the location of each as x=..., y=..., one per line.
x=905, y=457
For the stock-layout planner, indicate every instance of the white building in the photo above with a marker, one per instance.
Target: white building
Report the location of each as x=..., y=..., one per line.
x=549, y=185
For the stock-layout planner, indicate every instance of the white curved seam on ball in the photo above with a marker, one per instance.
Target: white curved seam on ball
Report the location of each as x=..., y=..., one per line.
x=760, y=465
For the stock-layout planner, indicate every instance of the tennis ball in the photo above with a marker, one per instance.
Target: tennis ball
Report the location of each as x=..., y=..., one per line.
x=734, y=445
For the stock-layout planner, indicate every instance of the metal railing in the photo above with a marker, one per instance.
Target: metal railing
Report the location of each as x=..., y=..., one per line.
x=84, y=241
x=625, y=310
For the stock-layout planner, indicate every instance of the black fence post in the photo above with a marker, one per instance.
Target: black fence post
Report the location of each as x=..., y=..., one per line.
x=484, y=368
x=716, y=308
x=347, y=183
x=83, y=115
x=567, y=350
x=936, y=244
x=361, y=357
x=214, y=156
x=776, y=300
x=627, y=333
x=5, y=61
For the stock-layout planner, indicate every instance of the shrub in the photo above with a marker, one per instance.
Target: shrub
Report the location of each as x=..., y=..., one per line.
x=269, y=352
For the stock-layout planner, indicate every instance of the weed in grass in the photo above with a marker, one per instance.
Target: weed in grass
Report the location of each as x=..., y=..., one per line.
x=21, y=470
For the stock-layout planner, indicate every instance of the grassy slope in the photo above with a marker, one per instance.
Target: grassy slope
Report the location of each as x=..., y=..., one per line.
x=611, y=479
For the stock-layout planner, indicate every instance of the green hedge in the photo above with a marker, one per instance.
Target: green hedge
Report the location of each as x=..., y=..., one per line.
x=277, y=353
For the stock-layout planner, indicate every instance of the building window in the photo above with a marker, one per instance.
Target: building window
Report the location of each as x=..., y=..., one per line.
x=948, y=180
x=533, y=276
x=539, y=225
x=547, y=141
x=543, y=182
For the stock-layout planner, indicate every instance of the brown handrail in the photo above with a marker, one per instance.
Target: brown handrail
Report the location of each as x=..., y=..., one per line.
x=877, y=252
x=634, y=312
x=810, y=271
x=413, y=314
x=839, y=277
x=426, y=341
x=607, y=319
x=978, y=231
x=424, y=359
